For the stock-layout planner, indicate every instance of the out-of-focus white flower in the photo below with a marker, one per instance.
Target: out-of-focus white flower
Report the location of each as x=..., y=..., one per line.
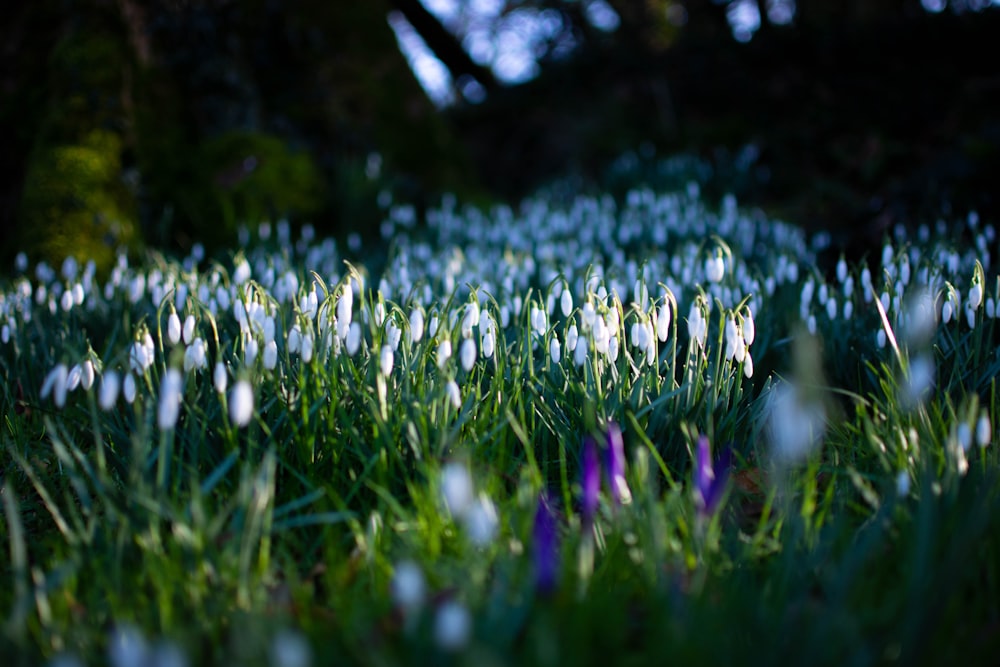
x=456, y=488
x=270, y=355
x=468, y=354
x=307, y=344
x=841, y=270
x=489, y=344
x=663, y=322
x=481, y=521
x=385, y=360
x=903, y=484
x=715, y=268
x=290, y=649
x=408, y=586
x=566, y=302
x=55, y=383
x=109, y=390
x=796, y=425
x=128, y=388
x=127, y=647
x=250, y=350
x=174, y=328
x=241, y=403
x=219, y=377
x=984, y=431
x=580, y=353
x=393, y=334
x=73, y=379
x=964, y=435
x=171, y=395
x=188, y=332
x=454, y=394
x=919, y=380
x=443, y=352
x=353, y=342
x=452, y=626
x=416, y=325
x=555, y=350
x=880, y=338
x=379, y=313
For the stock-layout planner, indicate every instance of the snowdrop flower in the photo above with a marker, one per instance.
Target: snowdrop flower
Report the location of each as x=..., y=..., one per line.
x=975, y=297
x=344, y=305
x=452, y=626
x=416, y=325
x=290, y=649
x=880, y=338
x=270, y=355
x=128, y=388
x=489, y=344
x=127, y=648
x=566, y=302
x=572, y=336
x=353, y=342
x=555, y=351
x=947, y=309
x=188, y=331
x=453, y=393
x=379, y=313
x=796, y=425
x=109, y=390
x=443, y=353
x=241, y=272
x=66, y=301
x=481, y=521
x=749, y=328
x=171, y=395
x=55, y=383
x=984, y=432
x=538, y=320
x=663, y=322
x=580, y=353
x=250, y=349
x=219, y=377
x=5, y=334
x=970, y=315
x=964, y=436
x=731, y=335
x=241, y=403
x=715, y=268
x=841, y=270
x=87, y=374
x=456, y=488
x=174, y=328
x=903, y=484
x=393, y=333
x=919, y=380
x=748, y=365
x=73, y=379
x=307, y=344
x=468, y=354
x=385, y=359
x=294, y=339
x=408, y=586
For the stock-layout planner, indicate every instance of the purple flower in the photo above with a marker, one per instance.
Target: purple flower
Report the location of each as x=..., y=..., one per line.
x=546, y=547
x=710, y=481
x=591, y=482
x=616, y=466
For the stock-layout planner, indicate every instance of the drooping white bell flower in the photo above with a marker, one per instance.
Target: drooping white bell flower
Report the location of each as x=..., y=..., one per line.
x=174, y=328
x=241, y=403
x=219, y=377
x=385, y=359
x=108, y=394
x=171, y=395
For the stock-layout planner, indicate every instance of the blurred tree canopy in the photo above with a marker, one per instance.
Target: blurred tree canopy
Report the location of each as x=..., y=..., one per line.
x=172, y=121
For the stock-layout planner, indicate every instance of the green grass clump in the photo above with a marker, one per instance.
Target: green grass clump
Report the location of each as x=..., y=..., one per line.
x=287, y=459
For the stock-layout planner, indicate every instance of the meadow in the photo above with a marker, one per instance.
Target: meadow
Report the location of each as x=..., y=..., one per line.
x=587, y=430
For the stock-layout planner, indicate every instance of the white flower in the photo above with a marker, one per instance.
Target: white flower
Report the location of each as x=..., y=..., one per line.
x=294, y=339
x=468, y=354
x=219, y=377
x=241, y=403
x=194, y=355
x=903, y=484
x=109, y=390
x=87, y=374
x=984, y=432
x=749, y=328
x=290, y=649
x=715, y=268
x=555, y=352
x=188, y=332
x=443, y=352
x=408, y=586
x=385, y=360
x=454, y=394
x=456, y=488
x=841, y=270
x=307, y=346
x=580, y=353
x=270, y=355
x=748, y=365
x=489, y=344
x=127, y=648
x=174, y=328
x=964, y=435
x=55, y=383
x=663, y=322
x=353, y=338
x=796, y=425
x=73, y=379
x=566, y=302
x=393, y=334
x=416, y=325
x=975, y=296
x=128, y=388
x=171, y=394
x=250, y=349
x=481, y=521
x=572, y=336
x=452, y=626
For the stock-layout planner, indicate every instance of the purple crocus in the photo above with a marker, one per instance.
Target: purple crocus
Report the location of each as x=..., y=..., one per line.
x=710, y=480
x=546, y=549
x=616, y=466
x=591, y=481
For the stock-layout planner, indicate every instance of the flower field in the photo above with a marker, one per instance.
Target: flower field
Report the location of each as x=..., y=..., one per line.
x=625, y=431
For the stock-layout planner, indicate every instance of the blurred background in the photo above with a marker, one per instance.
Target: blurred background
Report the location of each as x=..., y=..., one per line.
x=162, y=123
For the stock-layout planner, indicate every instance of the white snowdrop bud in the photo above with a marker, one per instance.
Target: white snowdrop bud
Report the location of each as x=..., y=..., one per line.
x=481, y=521
x=841, y=270
x=990, y=308
x=748, y=365
x=294, y=339
x=432, y=328
x=884, y=300
x=715, y=268
x=290, y=649
x=984, y=432
x=453, y=393
x=408, y=586
x=250, y=350
x=87, y=374
x=555, y=350
x=188, y=332
x=489, y=343
x=385, y=360
x=416, y=325
x=128, y=648
x=393, y=334
x=811, y=325
x=109, y=390
x=66, y=301
x=613, y=348
x=946, y=311
x=241, y=403
x=353, y=342
x=128, y=388
x=880, y=338
x=580, y=353
x=641, y=335
x=964, y=436
x=456, y=489
x=588, y=314
x=848, y=309
x=975, y=295
x=749, y=328
x=452, y=626
x=174, y=328
x=270, y=355
x=601, y=336
x=731, y=334
x=831, y=308
x=663, y=322
x=903, y=484
x=308, y=346
x=379, y=313
x=572, y=336
x=634, y=334
x=55, y=383
x=73, y=378
x=5, y=334
x=443, y=352
x=171, y=395
x=219, y=378
x=970, y=315
x=566, y=303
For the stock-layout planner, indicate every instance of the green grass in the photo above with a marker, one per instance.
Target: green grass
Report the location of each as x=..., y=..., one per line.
x=859, y=522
